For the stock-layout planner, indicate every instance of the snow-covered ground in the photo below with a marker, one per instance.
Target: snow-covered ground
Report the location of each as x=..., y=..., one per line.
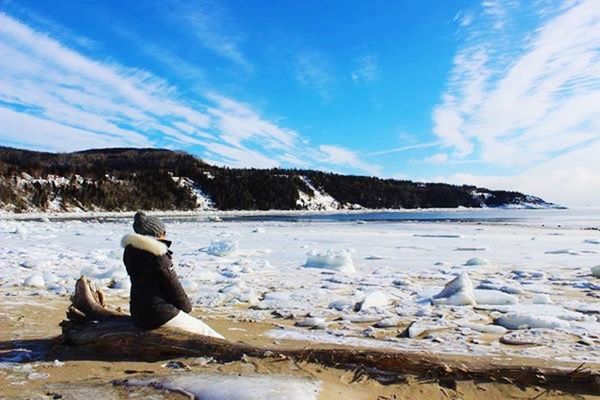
x=363, y=283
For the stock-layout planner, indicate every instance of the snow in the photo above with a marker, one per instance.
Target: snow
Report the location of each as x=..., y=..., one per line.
x=236, y=387
x=203, y=201
x=339, y=260
x=319, y=199
x=400, y=269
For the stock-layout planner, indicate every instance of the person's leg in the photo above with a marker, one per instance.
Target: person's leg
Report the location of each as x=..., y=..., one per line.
x=188, y=323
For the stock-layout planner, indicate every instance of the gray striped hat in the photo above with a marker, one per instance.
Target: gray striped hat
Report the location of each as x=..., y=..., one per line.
x=148, y=225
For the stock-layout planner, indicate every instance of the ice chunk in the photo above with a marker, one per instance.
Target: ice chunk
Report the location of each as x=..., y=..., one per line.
x=313, y=323
x=342, y=304
x=35, y=280
x=484, y=296
x=421, y=327
x=335, y=260
x=476, y=261
x=514, y=320
x=537, y=309
x=491, y=329
x=592, y=241
x=222, y=248
x=563, y=251
x=240, y=292
x=457, y=292
x=596, y=271
x=541, y=298
x=375, y=299
x=390, y=322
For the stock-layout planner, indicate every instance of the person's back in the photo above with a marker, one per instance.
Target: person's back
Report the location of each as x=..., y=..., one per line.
x=156, y=294
x=157, y=297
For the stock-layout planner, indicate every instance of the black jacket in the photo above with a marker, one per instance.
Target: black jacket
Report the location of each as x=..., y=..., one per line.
x=156, y=293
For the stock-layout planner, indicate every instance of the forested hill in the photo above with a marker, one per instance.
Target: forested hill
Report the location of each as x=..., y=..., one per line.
x=122, y=179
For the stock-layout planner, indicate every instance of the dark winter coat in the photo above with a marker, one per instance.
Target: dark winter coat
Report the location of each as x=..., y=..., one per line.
x=156, y=293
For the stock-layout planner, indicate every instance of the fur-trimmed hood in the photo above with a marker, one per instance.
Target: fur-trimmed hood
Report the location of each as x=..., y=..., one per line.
x=146, y=243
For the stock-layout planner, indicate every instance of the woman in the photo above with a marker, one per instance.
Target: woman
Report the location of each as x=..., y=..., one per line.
x=157, y=297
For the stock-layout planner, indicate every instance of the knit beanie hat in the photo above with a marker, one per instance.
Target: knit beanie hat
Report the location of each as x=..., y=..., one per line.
x=148, y=225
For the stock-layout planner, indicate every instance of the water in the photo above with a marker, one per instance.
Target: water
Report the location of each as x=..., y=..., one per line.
x=585, y=218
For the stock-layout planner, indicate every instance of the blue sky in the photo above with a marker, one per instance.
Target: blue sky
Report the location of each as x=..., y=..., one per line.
x=503, y=94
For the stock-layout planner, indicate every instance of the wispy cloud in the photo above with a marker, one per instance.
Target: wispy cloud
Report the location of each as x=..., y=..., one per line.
x=55, y=98
x=415, y=146
x=517, y=96
x=367, y=69
x=438, y=158
x=342, y=156
x=212, y=26
x=313, y=70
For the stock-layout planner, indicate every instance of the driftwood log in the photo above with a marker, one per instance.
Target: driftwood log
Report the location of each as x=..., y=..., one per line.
x=113, y=334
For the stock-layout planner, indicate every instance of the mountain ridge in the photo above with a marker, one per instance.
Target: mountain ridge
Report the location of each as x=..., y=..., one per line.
x=126, y=179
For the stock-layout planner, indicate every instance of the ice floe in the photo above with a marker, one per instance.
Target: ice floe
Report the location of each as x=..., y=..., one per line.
x=340, y=260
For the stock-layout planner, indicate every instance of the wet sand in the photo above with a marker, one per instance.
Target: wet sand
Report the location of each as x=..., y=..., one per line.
x=31, y=321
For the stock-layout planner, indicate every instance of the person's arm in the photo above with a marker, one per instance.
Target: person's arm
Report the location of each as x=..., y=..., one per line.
x=172, y=285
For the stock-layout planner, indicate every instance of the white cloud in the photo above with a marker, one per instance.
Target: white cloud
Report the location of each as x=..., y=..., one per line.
x=55, y=98
x=342, y=156
x=438, y=158
x=237, y=122
x=211, y=25
x=313, y=70
x=522, y=98
x=29, y=131
x=367, y=69
x=572, y=179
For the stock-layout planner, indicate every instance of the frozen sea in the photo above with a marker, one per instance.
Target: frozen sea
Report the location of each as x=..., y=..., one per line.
x=357, y=278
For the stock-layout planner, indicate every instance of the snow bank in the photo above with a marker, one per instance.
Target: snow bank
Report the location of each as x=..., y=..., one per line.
x=340, y=261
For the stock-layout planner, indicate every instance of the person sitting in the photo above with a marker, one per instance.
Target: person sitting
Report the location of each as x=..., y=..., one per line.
x=157, y=297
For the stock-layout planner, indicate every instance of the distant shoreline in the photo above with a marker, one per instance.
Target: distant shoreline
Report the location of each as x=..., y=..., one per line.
x=216, y=215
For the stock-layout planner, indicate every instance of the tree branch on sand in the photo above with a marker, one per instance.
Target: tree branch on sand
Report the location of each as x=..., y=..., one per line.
x=115, y=335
